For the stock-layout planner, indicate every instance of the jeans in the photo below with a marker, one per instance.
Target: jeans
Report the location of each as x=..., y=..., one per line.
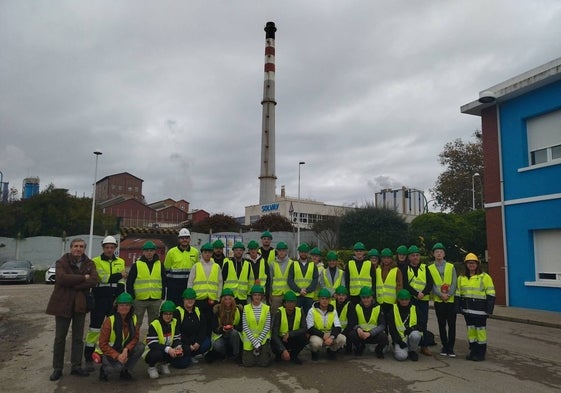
x=114, y=366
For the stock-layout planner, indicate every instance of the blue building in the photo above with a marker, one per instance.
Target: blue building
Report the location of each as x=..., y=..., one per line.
x=30, y=187
x=521, y=124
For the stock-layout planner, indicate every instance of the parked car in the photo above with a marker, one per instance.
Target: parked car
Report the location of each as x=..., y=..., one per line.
x=50, y=274
x=17, y=271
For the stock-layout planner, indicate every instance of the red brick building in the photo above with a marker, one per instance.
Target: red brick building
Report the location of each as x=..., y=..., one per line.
x=119, y=184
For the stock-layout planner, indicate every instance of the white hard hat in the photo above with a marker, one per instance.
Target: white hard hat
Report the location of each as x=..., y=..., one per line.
x=109, y=240
x=184, y=232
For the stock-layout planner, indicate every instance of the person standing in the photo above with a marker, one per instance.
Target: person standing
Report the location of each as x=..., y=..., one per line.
x=445, y=279
x=477, y=301
x=195, y=338
x=266, y=250
x=315, y=256
x=75, y=275
x=389, y=282
x=112, y=274
x=419, y=284
x=289, y=330
x=258, y=274
x=235, y=274
x=303, y=278
x=218, y=252
x=332, y=277
x=359, y=273
x=178, y=263
x=278, y=277
x=146, y=283
x=374, y=257
x=324, y=327
x=256, y=336
x=119, y=340
x=405, y=333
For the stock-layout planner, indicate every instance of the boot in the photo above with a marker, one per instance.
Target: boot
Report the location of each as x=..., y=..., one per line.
x=470, y=355
x=102, y=374
x=479, y=352
x=331, y=355
x=483, y=349
x=413, y=356
x=426, y=351
x=315, y=356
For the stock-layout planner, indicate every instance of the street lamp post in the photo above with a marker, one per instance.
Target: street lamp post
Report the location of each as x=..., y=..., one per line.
x=473, y=190
x=298, y=209
x=97, y=154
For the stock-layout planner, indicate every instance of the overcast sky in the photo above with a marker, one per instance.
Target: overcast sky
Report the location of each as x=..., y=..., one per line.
x=368, y=92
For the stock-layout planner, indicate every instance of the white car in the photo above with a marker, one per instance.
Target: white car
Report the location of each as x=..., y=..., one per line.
x=50, y=275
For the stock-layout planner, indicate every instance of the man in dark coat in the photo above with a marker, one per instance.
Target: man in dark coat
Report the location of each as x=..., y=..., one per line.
x=75, y=275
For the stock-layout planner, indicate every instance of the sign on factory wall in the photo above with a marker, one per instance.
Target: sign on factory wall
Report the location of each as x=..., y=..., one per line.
x=271, y=207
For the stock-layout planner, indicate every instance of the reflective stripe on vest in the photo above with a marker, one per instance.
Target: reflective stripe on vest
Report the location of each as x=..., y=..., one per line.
x=178, y=263
x=148, y=285
x=113, y=335
x=358, y=280
x=206, y=287
x=160, y=332
x=386, y=291
x=301, y=280
x=255, y=326
x=284, y=328
x=280, y=280
x=343, y=317
x=323, y=322
x=474, y=291
x=448, y=269
x=327, y=279
x=410, y=321
x=106, y=268
x=418, y=282
x=372, y=322
x=239, y=285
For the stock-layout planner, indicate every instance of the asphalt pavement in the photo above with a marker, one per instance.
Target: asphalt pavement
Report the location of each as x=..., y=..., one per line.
x=528, y=316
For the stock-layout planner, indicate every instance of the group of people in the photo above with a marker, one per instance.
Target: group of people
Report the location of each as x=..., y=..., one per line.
x=259, y=305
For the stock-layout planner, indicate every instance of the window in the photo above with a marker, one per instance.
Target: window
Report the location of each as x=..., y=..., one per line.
x=546, y=254
x=544, y=138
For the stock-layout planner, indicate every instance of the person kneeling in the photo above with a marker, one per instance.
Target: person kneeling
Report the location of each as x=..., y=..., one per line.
x=403, y=328
x=324, y=327
x=289, y=330
x=256, y=322
x=163, y=343
x=118, y=340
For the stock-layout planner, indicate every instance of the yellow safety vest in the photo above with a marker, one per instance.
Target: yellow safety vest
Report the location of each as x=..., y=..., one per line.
x=418, y=282
x=113, y=335
x=239, y=285
x=106, y=268
x=160, y=332
x=358, y=280
x=343, y=317
x=321, y=323
x=262, y=273
x=280, y=280
x=206, y=287
x=474, y=291
x=327, y=279
x=284, y=328
x=182, y=313
x=178, y=263
x=215, y=336
x=386, y=291
x=301, y=280
x=255, y=326
x=399, y=324
x=438, y=281
x=148, y=285
x=372, y=322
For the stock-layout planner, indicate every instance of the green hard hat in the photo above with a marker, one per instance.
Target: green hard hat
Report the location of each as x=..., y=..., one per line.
x=438, y=246
x=189, y=293
x=289, y=296
x=252, y=245
x=315, y=251
x=257, y=289
x=373, y=253
x=365, y=292
x=267, y=234
x=207, y=247
x=124, y=298
x=304, y=247
x=149, y=245
x=218, y=244
x=359, y=246
x=167, y=306
x=227, y=292
x=386, y=252
x=403, y=294
x=238, y=245
x=331, y=256
x=413, y=250
x=401, y=250
x=282, y=246
x=341, y=290
x=324, y=292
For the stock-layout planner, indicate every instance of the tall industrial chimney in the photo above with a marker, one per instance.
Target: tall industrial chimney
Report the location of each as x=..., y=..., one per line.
x=267, y=177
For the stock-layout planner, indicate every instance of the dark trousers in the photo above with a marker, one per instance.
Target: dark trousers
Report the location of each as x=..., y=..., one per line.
x=422, y=308
x=381, y=339
x=103, y=308
x=305, y=303
x=446, y=316
x=206, y=312
x=294, y=346
x=61, y=330
x=175, y=288
x=155, y=356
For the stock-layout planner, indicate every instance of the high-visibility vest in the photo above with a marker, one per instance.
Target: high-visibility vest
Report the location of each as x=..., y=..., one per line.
x=386, y=291
x=206, y=287
x=113, y=335
x=304, y=280
x=336, y=283
x=372, y=322
x=474, y=291
x=418, y=282
x=178, y=263
x=148, y=285
x=263, y=267
x=400, y=324
x=215, y=336
x=284, y=328
x=280, y=279
x=239, y=285
x=182, y=313
x=255, y=326
x=160, y=332
x=321, y=322
x=438, y=281
x=106, y=268
x=343, y=316
x=357, y=279
x=272, y=254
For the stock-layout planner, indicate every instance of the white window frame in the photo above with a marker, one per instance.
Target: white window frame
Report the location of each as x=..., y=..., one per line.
x=546, y=244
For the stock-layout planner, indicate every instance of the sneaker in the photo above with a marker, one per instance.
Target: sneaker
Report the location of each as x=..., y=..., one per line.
x=89, y=366
x=451, y=354
x=194, y=360
x=443, y=352
x=153, y=372
x=331, y=355
x=164, y=369
x=413, y=356
x=315, y=356
x=125, y=375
